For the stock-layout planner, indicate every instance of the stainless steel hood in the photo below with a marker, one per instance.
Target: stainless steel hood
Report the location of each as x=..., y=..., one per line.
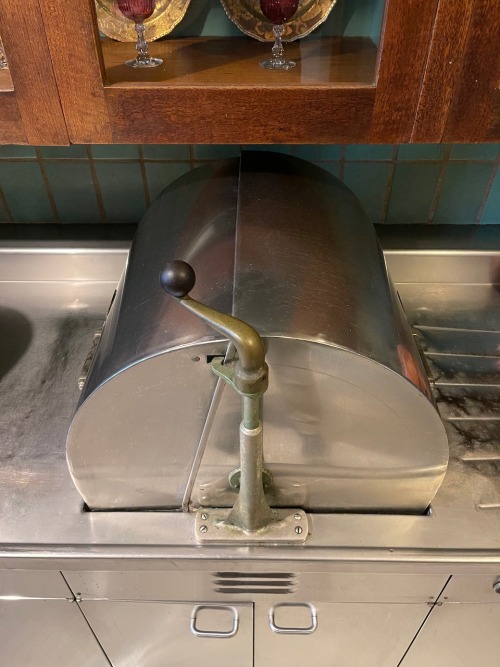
x=349, y=423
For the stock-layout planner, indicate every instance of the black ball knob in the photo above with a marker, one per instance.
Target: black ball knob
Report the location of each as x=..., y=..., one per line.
x=177, y=278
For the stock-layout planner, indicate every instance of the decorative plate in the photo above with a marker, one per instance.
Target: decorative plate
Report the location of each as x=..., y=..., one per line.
x=246, y=15
x=166, y=16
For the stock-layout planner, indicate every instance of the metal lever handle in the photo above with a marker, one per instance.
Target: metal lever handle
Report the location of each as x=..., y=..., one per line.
x=249, y=376
x=250, y=371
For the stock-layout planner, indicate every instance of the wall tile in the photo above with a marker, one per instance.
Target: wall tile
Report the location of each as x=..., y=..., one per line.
x=24, y=191
x=170, y=152
x=161, y=174
x=366, y=170
x=73, y=191
x=315, y=153
x=122, y=190
x=421, y=152
x=275, y=148
x=412, y=193
x=118, y=151
x=17, y=151
x=61, y=152
x=368, y=181
x=474, y=151
x=369, y=152
x=462, y=193
x=216, y=152
x=491, y=213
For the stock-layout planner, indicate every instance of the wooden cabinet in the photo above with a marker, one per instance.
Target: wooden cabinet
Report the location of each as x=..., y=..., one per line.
x=460, y=98
x=30, y=110
x=213, y=90
x=432, y=76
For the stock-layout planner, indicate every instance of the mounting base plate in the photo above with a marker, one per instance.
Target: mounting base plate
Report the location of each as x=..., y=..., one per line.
x=290, y=527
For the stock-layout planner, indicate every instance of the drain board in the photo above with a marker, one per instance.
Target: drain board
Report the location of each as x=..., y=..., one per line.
x=464, y=365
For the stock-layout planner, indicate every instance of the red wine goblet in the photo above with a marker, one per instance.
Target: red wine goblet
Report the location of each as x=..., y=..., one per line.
x=138, y=11
x=278, y=12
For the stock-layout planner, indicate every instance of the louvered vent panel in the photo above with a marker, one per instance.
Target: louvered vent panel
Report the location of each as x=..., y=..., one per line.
x=275, y=583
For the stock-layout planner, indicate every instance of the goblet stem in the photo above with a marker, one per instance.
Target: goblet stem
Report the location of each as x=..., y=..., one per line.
x=143, y=58
x=142, y=45
x=278, y=60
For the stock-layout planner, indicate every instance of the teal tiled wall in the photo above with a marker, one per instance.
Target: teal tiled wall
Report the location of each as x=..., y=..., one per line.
x=408, y=184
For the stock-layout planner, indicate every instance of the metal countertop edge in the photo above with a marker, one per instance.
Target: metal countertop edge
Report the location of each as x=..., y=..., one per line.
x=391, y=236
x=443, y=559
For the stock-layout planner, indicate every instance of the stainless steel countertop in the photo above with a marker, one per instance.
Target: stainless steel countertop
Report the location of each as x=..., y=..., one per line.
x=52, y=299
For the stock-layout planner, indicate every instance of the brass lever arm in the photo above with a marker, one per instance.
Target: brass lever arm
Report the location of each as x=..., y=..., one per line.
x=251, y=515
x=250, y=371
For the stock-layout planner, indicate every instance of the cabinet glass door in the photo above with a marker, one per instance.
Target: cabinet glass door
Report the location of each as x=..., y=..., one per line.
x=357, y=74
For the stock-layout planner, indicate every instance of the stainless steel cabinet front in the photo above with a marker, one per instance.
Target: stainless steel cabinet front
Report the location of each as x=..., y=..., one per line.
x=40, y=624
x=43, y=632
x=355, y=634
x=161, y=634
x=463, y=629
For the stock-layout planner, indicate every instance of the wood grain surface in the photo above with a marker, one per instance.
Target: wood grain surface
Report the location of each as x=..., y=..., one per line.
x=35, y=89
x=11, y=123
x=406, y=38
x=242, y=115
x=475, y=109
x=444, y=68
x=6, y=83
x=76, y=56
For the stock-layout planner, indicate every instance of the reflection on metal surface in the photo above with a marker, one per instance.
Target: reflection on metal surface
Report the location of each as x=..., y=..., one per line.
x=462, y=627
x=368, y=634
x=167, y=14
x=42, y=625
x=152, y=634
x=248, y=17
x=82, y=378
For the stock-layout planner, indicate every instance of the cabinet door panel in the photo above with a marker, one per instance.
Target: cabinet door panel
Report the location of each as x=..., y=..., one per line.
x=46, y=632
x=463, y=628
x=347, y=635
x=153, y=634
x=459, y=635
